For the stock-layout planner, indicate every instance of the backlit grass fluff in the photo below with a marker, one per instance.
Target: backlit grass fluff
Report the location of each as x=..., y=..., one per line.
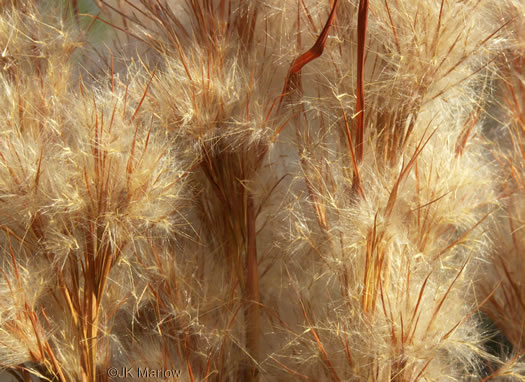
x=261, y=191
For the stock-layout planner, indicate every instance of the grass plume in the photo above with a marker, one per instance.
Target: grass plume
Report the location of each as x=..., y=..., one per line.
x=261, y=191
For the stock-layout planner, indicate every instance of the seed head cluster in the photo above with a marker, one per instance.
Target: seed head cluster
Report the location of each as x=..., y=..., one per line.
x=267, y=190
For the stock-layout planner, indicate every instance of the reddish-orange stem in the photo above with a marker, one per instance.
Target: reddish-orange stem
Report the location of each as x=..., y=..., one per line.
x=362, y=20
x=315, y=51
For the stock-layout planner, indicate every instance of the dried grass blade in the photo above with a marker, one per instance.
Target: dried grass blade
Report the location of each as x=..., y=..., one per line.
x=314, y=52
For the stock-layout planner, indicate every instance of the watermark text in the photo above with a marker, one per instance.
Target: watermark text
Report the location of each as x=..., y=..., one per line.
x=143, y=372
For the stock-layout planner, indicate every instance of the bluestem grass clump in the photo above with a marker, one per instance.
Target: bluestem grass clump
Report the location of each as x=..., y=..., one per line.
x=271, y=191
x=86, y=185
x=505, y=306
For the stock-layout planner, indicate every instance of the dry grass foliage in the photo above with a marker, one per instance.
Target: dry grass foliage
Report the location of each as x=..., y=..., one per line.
x=265, y=191
x=506, y=306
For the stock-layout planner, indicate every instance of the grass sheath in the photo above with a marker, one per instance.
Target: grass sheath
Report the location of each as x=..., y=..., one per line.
x=362, y=22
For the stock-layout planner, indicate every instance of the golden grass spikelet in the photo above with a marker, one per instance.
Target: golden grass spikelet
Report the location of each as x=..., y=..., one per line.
x=21, y=288
x=35, y=42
